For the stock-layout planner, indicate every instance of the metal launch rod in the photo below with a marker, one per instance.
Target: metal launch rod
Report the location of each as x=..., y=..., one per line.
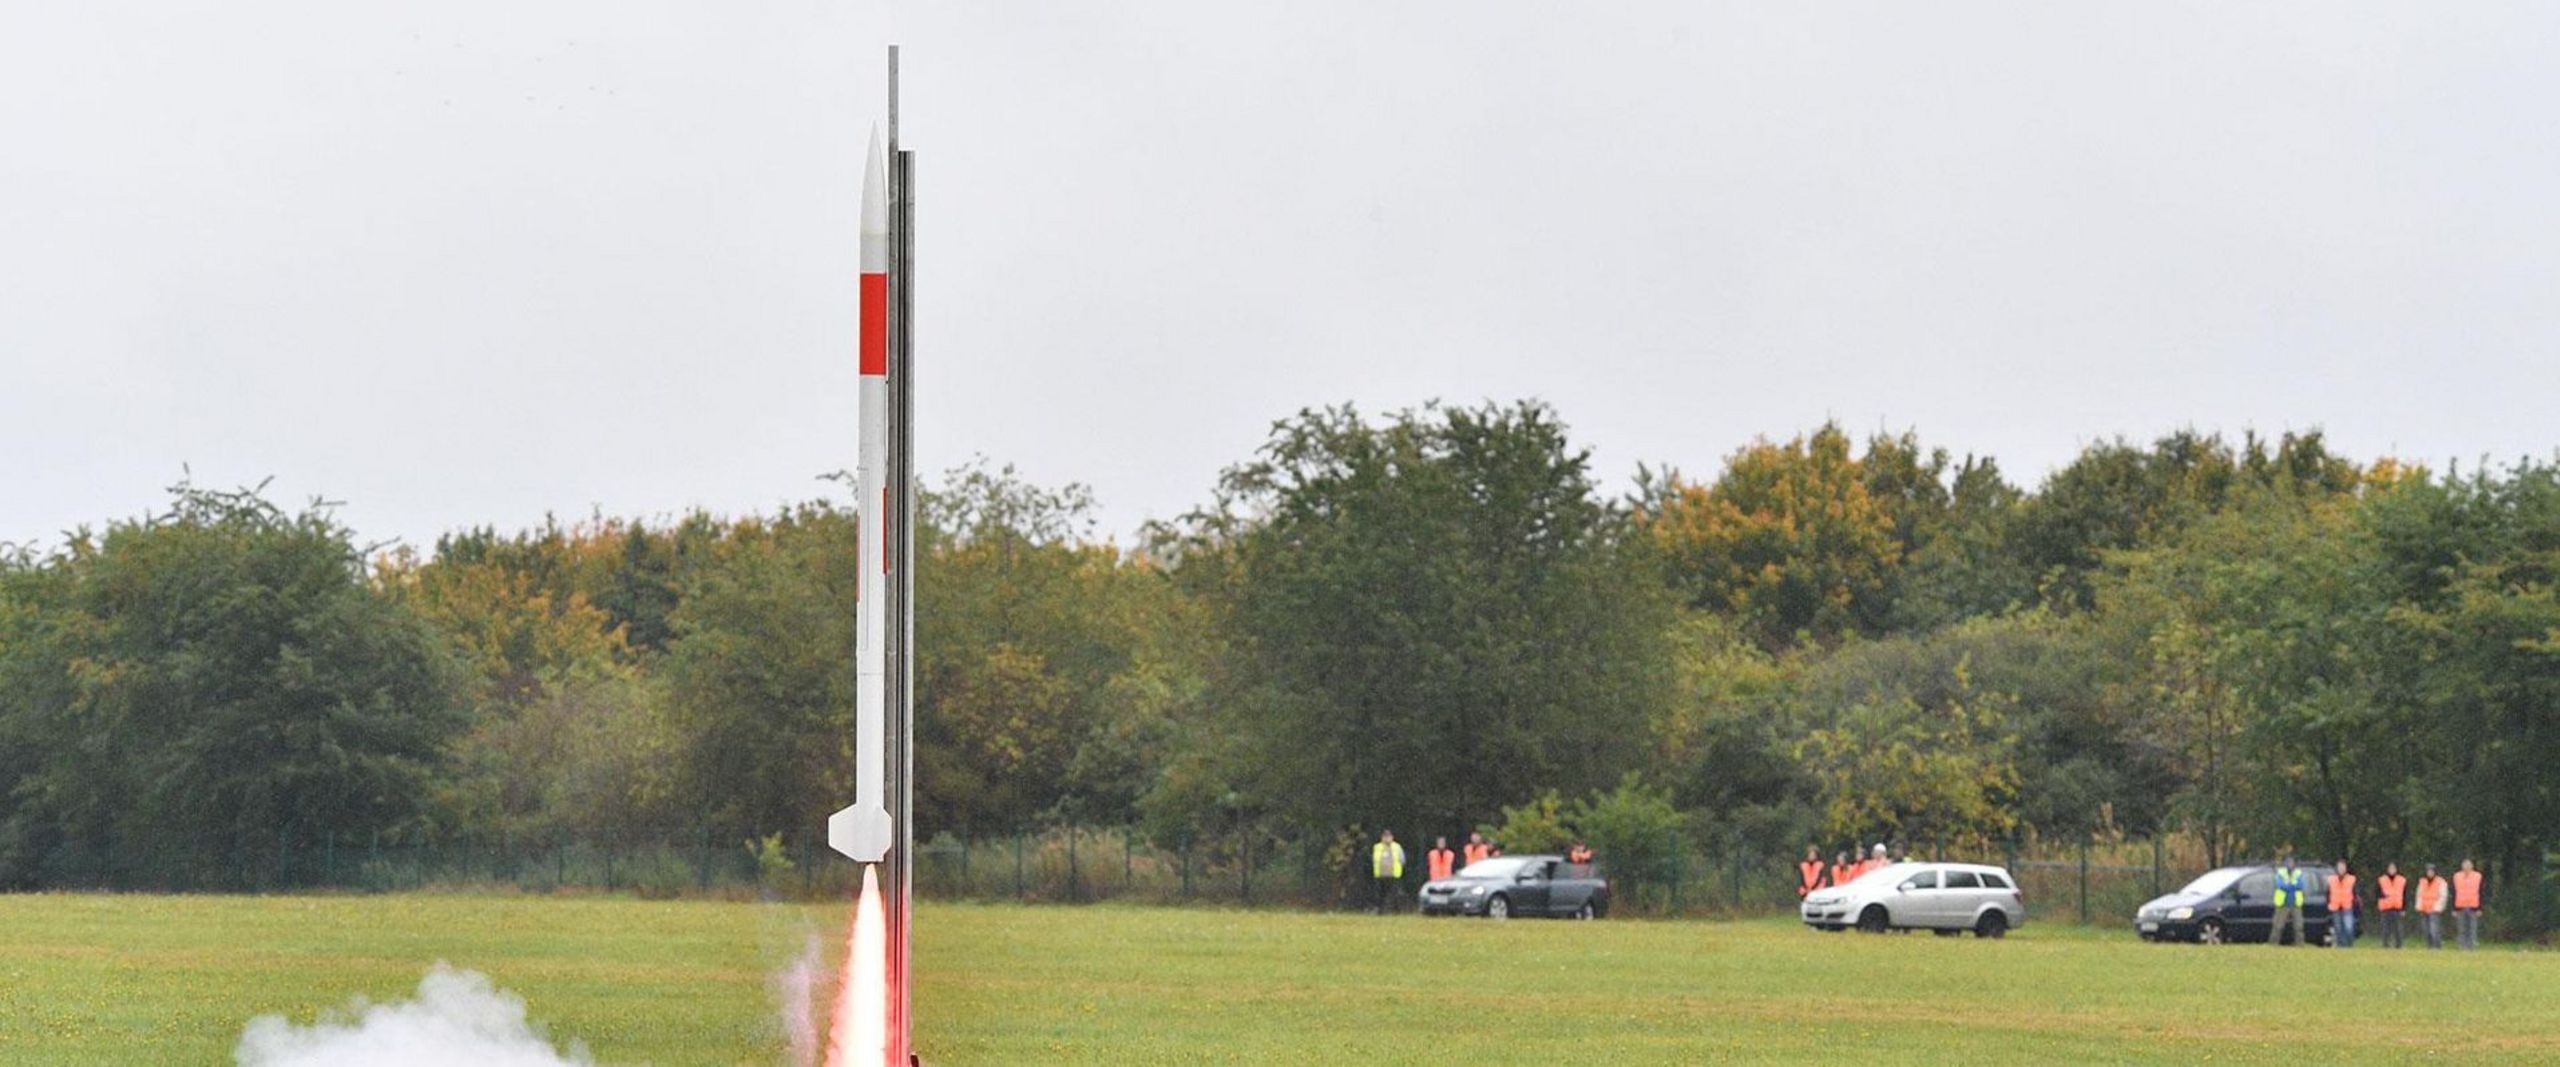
x=901, y=630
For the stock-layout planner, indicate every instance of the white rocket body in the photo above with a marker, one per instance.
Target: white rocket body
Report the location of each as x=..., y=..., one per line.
x=863, y=831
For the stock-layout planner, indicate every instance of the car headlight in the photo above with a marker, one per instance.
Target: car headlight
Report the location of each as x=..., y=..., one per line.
x=1475, y=890
x=2181, y=914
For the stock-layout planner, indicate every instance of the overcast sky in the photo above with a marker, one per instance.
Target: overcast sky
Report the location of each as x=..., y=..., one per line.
x=474, y=261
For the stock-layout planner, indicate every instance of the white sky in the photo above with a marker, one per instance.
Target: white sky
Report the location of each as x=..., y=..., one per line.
x=474, y=261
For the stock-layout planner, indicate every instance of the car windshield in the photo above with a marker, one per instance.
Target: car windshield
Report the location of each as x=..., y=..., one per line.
x=2213, y=882
x=1497, y=867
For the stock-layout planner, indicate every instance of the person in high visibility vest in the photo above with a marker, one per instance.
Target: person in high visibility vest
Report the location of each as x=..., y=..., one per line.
x=1443, y=861
x=1579, y=853
x=2342, y=907
x=2390, y=898
x=2466, y=905
x=1809, y=873
x=2431, y=900
x=2290, y=885
x=1477, y=848
x=1842, y=871
x=1874, y=860
x=1386, y=867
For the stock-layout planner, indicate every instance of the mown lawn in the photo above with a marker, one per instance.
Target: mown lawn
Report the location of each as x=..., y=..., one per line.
x=171, y=980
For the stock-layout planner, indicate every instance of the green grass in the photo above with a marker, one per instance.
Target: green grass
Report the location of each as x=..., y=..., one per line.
x=171, y=980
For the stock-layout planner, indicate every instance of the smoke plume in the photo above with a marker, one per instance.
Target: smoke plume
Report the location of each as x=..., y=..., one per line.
x=457, y=1018
x=795, y=991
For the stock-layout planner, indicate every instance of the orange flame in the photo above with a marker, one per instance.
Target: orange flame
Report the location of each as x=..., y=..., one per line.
x=859, y=1036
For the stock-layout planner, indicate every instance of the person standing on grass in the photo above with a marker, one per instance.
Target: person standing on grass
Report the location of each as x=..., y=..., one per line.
x=1477, y=848
x=2290, y=885
x=2390, y=895
x=2466, y=905
x=1386, y=867
x=1809, y=873
x=2342, y=907
x=1843, y=872
x=1443, y=861
x=2431, y=899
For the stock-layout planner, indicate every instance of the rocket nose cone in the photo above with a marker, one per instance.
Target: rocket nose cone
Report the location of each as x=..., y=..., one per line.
x=875, y=188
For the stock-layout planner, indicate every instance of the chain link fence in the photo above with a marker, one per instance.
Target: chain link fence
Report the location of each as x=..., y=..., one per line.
x=2094, y=883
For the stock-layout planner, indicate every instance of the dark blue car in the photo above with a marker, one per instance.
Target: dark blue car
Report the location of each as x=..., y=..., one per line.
x=2233, y=904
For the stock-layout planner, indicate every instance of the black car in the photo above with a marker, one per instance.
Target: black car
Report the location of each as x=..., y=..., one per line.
x=2234, y=904
x=1504, y=886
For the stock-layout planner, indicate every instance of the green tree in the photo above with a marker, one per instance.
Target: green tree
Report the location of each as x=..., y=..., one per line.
x=211, y=681
x=1433, y=616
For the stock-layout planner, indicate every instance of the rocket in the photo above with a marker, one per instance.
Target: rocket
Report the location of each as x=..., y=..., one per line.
x=864, y=831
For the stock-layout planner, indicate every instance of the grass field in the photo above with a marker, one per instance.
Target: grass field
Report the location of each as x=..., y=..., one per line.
x=171, y=980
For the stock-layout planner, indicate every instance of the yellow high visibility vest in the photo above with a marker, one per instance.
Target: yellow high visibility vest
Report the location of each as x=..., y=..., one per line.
x=1386, y=860
x=2289, y=887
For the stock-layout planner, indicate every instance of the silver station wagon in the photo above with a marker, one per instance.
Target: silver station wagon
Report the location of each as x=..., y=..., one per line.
x=1949, y=898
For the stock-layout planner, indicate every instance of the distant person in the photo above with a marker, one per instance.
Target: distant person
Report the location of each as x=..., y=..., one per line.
x=1579, y=853
x=2431, y=901
x=1443, y=861
x=2290, y=885
x=1477, y=848
x=2342, y=907
x=1386, y=868
x=1875, y=860
x=2390, y=898
x=1809, y=872
x=2466, y=906
x=1843, y=872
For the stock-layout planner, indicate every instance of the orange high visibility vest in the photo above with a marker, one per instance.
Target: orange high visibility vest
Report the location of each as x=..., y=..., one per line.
x=1477, y=850
x=2342, y=893
x=2466, y=890
x=2392, y=892
x=1443, y=862
x=1809, y=874
x=1841, y=872
x=2430, y=895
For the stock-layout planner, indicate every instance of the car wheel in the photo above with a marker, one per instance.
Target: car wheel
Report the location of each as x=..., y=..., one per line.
x=1992, y=924
x=1585, y=912
x=2210, y=932
x=1498, y=908
x=1874, y=920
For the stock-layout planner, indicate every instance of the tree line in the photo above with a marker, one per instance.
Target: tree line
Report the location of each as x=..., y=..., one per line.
x=1430, y=621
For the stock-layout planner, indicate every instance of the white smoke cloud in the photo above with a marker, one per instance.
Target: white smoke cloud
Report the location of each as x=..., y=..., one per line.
x=795, y=993
x=457, y=1018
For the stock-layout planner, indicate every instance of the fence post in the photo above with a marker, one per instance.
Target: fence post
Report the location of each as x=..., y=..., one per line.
x=1186, y=866
x=1019, y=892
x=2157, y=862
x=1244, y=849
x=2084, y=879
x=1128, y=864
x=1677, y=855
x=1075, y=878
x=1737, y=879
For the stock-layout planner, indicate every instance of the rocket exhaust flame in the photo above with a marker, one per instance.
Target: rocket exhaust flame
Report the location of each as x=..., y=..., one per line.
x=859, y=1036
